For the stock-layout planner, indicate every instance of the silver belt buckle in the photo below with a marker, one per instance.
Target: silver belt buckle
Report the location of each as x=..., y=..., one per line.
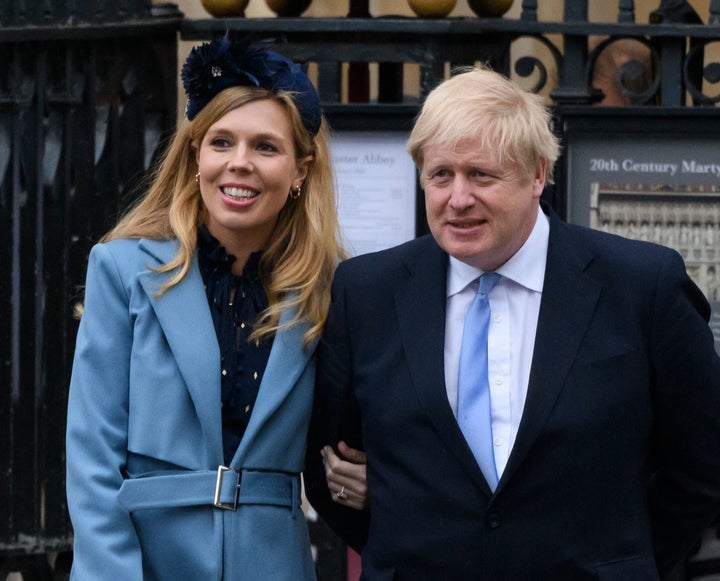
x=218, y=490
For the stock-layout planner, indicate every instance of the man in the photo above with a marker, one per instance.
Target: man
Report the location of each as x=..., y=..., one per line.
x=603, y=380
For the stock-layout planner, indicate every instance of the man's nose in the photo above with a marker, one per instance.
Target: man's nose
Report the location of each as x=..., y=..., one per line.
x=461, y=194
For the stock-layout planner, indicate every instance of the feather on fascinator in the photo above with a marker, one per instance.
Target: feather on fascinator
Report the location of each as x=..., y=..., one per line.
x=223, y=63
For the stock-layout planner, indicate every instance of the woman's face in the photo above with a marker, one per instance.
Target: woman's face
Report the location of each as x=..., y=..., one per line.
x=247, y=167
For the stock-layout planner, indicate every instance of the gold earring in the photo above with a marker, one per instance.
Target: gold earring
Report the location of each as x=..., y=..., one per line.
x=197, y=178
x=295, y=192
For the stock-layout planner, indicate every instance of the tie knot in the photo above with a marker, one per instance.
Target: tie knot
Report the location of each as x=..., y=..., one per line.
x=487, y=282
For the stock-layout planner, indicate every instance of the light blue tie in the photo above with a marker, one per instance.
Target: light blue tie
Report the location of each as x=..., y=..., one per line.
x=474, y=416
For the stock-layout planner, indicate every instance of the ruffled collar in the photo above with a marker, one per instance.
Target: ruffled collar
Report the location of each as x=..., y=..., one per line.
x=215, y=256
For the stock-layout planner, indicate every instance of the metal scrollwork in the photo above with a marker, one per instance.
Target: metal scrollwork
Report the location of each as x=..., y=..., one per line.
x=526, y=66
x=630, y=65
x=710, y=73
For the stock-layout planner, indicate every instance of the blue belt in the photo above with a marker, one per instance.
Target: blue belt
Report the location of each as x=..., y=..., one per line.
x=225, y=488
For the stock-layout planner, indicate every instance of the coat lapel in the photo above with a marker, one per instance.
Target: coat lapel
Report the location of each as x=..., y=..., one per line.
x=422, y=330
x=184, y=316
x=288, y=359
x=569, y=298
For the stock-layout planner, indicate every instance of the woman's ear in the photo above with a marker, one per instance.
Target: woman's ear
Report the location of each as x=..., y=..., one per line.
x=304, y=167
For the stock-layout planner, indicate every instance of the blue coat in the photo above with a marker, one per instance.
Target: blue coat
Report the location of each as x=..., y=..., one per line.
x=144, y=435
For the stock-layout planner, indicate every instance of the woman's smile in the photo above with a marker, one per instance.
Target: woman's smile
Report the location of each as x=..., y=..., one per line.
x=239, y=193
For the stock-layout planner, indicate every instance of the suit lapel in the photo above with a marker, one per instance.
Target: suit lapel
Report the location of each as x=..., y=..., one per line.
x=422, y=330
x=184, y=316
x=568, y=302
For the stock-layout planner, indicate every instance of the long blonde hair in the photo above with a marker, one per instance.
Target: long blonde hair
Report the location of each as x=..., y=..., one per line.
x=304, y=248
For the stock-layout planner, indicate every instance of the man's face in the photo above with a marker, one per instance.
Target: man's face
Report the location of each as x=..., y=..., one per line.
x=479, y=211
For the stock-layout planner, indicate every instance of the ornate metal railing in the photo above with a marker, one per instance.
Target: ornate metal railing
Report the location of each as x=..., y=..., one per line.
x=554, y=57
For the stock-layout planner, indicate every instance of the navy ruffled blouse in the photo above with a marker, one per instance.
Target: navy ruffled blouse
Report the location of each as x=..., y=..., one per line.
x=235, y=303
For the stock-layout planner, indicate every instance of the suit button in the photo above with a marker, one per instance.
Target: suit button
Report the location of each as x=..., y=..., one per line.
x=493, y=519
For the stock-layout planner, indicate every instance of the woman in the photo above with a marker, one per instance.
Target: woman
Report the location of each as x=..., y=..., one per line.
x=192, y=381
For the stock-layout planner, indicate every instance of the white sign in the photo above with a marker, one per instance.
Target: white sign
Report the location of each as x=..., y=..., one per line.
x=376, y=189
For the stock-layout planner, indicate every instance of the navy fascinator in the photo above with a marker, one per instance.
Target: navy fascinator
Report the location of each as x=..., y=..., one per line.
x=223, y=63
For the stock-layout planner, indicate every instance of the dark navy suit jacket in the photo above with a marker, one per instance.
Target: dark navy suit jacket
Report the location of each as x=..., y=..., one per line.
x=616, y=466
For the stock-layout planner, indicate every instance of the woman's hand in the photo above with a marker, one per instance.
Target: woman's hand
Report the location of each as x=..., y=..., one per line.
x=345, y=474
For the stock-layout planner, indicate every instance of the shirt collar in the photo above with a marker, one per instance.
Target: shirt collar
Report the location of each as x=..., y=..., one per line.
x=526, y=267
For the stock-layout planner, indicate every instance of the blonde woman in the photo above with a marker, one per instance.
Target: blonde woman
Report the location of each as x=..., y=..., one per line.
x=193, y=376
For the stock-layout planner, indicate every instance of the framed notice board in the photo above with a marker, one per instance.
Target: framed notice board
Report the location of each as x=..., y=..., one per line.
x=650, y=174
x=378, y=199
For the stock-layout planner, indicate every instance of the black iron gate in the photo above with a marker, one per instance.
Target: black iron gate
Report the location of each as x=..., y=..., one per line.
x=87, y=92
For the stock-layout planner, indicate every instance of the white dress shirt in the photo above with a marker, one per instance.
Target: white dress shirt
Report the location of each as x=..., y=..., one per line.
x=514, y=307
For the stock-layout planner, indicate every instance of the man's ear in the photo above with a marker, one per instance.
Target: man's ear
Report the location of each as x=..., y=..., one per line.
x=540, y=178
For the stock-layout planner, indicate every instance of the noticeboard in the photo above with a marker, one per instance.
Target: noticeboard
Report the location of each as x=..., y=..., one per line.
x=649, y=174
x=377, y=193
